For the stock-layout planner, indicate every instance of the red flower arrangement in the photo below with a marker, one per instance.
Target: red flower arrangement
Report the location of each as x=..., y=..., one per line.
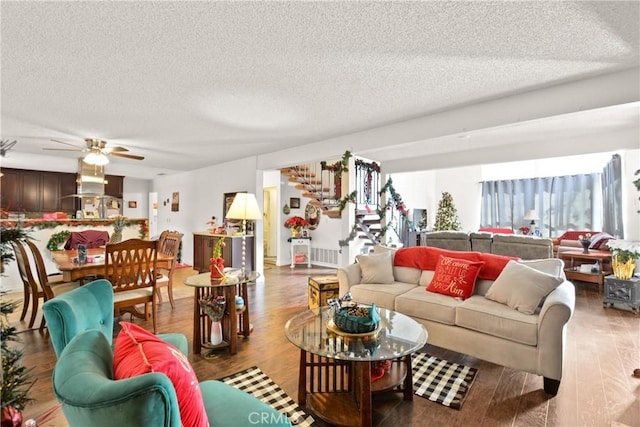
x=296, y=222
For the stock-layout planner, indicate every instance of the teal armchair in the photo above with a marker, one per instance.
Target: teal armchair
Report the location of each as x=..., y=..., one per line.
x=80, y=323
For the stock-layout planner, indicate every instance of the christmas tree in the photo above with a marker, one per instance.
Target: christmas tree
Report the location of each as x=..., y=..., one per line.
x=447, y=215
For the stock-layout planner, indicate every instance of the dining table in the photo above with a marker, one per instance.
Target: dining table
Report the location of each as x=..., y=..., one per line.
x=67, y=263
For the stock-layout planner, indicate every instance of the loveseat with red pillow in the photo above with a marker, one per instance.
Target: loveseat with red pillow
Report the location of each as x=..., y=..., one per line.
x=569, y=241
x=501, y=309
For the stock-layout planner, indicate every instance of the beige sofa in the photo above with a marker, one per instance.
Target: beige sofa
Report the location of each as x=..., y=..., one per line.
x=477, y=326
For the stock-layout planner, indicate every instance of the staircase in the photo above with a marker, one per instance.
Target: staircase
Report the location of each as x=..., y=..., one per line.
x=313, y=186
x=322, y=184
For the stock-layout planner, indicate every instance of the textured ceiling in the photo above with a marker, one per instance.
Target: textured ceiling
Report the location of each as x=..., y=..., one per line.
x=191, y=84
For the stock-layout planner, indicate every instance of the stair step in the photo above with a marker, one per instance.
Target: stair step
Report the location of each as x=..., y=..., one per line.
x=363, y=212
x=333, y=213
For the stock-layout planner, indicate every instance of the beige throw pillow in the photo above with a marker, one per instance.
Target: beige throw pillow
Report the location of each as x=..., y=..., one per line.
x=376, y=268
x=521, y=287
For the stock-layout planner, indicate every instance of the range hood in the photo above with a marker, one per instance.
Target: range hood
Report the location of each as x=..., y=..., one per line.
x=90, y=180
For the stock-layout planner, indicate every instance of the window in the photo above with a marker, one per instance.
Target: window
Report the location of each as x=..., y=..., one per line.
x=562, y=203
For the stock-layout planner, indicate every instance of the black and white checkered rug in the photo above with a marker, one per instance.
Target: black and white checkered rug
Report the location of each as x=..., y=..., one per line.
x=440, y=381
x=259, y=385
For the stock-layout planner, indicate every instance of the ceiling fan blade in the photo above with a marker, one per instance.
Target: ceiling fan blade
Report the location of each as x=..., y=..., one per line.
x=127, y=156
x=112, y=149
x=62, y=149
x=68, y=143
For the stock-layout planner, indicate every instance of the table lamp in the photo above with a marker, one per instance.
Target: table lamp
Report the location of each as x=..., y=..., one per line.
x=532, y=215
x=244, y=207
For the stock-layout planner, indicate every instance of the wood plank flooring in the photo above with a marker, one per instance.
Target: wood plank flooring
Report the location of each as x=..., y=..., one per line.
x=598, y=388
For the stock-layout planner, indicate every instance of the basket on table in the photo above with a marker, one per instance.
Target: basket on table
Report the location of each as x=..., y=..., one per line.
x=357, y=319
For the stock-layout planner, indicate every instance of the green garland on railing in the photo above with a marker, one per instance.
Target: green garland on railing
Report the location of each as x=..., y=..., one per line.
x=340, y=166
x=351, y=198
x=394, y=200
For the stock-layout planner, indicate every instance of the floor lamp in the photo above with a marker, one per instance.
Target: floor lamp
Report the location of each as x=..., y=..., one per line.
x=244, y=207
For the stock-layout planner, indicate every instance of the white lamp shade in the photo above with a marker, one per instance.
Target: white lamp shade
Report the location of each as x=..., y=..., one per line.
x=97, y=159
x=244, y=206
x=531, y=215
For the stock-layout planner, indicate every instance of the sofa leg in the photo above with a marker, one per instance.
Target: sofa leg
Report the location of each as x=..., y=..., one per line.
x=551, y=386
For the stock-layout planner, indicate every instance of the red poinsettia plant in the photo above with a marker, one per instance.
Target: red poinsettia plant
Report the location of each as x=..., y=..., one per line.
x=296, y=222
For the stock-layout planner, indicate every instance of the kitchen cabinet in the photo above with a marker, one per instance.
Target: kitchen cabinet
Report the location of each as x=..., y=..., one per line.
x=32, y=191
x=203, y=244
x=114, y=186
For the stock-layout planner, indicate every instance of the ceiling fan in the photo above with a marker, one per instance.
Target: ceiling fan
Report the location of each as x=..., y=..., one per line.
x=97, y=151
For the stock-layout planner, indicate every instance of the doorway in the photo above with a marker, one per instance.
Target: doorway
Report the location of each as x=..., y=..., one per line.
x=270, y=235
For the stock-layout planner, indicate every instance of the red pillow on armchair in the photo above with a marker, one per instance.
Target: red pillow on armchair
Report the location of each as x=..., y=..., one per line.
x=138, y=351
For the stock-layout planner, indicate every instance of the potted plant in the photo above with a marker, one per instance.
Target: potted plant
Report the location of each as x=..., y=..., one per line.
x=8, y=235
x=15, y=377
x=14, y=393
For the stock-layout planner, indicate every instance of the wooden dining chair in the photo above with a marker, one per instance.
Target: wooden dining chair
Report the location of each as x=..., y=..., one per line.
x=34, y=286
x=30, y=289
x=168, y=244
x=130, y=266
x=49, y=286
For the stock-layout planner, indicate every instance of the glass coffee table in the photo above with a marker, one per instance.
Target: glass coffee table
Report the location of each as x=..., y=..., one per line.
x=335, y=367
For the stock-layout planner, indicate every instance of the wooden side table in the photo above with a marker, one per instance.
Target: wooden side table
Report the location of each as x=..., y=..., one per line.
x=618, y=291
x=573, y=260
x=234, y=322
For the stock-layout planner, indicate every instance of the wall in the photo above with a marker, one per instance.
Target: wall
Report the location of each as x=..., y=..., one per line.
x=136, y=190
x=201, y=194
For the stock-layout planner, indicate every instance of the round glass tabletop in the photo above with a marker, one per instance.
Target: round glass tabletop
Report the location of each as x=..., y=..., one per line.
x=396, y=336
x=204, y=280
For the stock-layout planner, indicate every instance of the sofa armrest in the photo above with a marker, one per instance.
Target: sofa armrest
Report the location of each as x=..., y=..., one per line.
x=556, y=311
x=348, y=276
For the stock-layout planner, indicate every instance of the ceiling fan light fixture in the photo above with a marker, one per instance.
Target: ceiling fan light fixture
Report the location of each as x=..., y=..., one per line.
x=96, y=159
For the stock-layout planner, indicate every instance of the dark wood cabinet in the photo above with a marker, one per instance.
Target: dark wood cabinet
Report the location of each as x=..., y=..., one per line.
x=25, y=190
x=204, y=243
x=114, y=186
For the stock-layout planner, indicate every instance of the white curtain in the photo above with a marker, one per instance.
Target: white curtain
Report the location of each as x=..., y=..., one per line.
x=562, y=203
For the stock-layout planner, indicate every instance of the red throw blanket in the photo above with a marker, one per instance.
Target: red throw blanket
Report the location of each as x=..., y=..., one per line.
x=90, y=238
x=426, y=258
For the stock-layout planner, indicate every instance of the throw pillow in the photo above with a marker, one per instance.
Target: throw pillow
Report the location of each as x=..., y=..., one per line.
x=376, y=268
x=455, y=277
x=521, y=287
x=598, y=241
x=138, y=351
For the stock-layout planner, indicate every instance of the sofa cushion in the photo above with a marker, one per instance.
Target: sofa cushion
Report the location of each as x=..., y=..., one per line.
x=428, y=305
x=376, y=268
x=553, y=266
x=384, y=295
x=138, y=351
x=522, y=287
x=480, y=314
x=407, y=274
x=455, y=277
